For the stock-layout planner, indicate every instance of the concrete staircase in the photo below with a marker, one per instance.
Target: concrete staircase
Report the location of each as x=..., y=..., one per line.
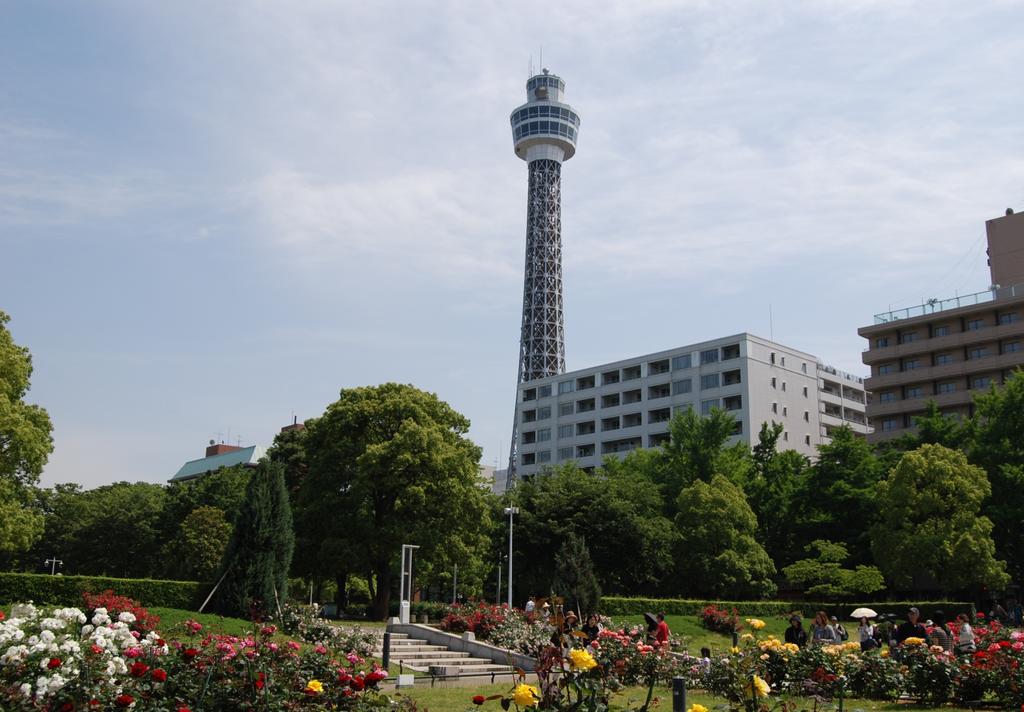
x=421, y=656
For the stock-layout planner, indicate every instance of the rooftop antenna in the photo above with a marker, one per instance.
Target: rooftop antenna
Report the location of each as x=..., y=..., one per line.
x=530, y=68
x=229, y=436
x=542, y=56
x=220, y=436
x=239, y=440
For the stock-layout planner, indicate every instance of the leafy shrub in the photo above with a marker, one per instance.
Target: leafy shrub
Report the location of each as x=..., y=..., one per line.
x=115, y=605
x=526, y=634
x=479, y=617
x=720, y=620
x=68, y=590
x=305, y=623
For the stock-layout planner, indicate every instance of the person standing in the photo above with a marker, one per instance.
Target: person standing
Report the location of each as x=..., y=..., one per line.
x=866, y=634
x=822, y=633
x=661, y=636
x=912, y=628
x=591, y=628
x=965, y=636
x=839, y=629
x=531, y=606
x=940, y=634
x=795, y=633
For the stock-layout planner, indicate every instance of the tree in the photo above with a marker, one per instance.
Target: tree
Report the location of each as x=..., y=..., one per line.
x=837, y=498
x=391, y=465
x=930, y=525
x=255, y=564
x=25, y=440
x=197, y=550
x=617, y=510
x=719, y=555
x=574, y=576
x=773, y=486
x=824, y=575
x=20, y=525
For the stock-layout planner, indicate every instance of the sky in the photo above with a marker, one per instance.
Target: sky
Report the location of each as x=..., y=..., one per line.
x=214, y=216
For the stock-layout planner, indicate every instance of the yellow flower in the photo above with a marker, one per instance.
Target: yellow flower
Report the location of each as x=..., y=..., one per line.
x=526, y=695
x=735, y=650
x=914, y=641
x=885, y=653
x=581, y=660
x=755, y=623
x=761, y=688
x=697, y=708
x=314, y=686
x=791, y=647
x=746, y=636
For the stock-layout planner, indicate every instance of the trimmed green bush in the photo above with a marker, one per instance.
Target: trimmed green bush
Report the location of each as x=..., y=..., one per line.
x=621, y=606
x=68, y=590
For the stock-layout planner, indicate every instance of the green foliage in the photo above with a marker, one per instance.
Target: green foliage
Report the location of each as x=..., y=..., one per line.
x=824, y=575
x=255, y=564
x=199, y=546
x=617, y=510
x=20, y=526
x=391, y=465
x=68, y=590
x=574, y=576
x=930, y=523
x=624, y=606
x=773, y=488
x=25, y=440
x=696, y=450
x=721, y=556
x=113, y=530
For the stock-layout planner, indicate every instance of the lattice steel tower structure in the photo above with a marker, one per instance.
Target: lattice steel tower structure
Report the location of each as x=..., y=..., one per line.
x=544, y=133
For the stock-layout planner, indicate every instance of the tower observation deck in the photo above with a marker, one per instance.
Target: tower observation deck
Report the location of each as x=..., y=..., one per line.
x=544, y=132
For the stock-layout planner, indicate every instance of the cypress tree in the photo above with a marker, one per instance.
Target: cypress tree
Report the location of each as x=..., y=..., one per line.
x=574, y=576
x=256, y=561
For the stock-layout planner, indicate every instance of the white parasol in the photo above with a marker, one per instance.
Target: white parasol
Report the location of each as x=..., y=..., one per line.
x=863, y=613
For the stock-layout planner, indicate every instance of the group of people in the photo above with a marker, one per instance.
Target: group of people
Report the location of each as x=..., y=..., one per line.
x=827, y=630
x=658, y=632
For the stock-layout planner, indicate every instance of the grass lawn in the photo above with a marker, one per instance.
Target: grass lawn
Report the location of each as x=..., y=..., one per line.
x=459, y=699
x=697, y=636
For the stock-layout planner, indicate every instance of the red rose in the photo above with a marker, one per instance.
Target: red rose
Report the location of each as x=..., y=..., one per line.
x=125, y=700
x=191, y=652
x=343, y=677
x=160, y=675
x=53, y=664
x=375, y=675
x=183, y=709
x=138, y=669
x=479, y=699
x=96, y=649
x=2, y=615
x=357, y=684
x=67, y=707
x=259, y=684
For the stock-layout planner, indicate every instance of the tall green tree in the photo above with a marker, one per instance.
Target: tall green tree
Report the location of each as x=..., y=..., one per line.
x=20, y=524
x=196, y=552
x=996, y=442
x=773, y=489
x=25, y=440
x=392, y=465
x=824, y=575
x=719, y=554
x=931, y=528
x=256, y=562
x=574, y=577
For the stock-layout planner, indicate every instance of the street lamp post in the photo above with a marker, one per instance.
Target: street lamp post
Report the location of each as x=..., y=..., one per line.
x=405, y=603
x=510, y=511
x=54, y=563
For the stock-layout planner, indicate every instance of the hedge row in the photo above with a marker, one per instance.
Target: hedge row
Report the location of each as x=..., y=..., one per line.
x=68, y=590
x=621, y=606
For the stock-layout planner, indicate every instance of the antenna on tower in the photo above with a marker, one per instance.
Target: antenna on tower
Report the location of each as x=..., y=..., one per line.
x=542, y=56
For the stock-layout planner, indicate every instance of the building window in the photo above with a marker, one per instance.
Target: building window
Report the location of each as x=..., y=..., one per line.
x=732, y=402
x=1008, y=318
x=807, y=439
x=805, y=391
x=807, y=416
x=981, y=382
x=887, y=397
x=908, y=336
x=940, y=331
x=544, y=413
x=543, y=435
x=980, y=352
x=915, y=392
x=565, y=409
x=775, y=408
x=586, y=405
x=730, y=352
x=529, y=416
x=585, y=428
x=771, y=358
x=656, y=367
x=609, y=377
x=943, y=359
x=975, y=324
x=565, y=386
x=544, y=456
x=544, y=391
x=631, y=373
x=530, y=394
x=803, y=367
x=783, y=360
x=565, y=453
x=1011, y=347
x=910, y=364
x=658, y=416
x=785, y=412
x=529, y=458
x=585, y=450
x=773, y=382
x=682, y=386
x=707, y=405
x=633, y=396
x=882, y=342
x=785, y=436
x=709, y=380
x=731, y=378
x=889, y=424
x=681, y=362
x=585, y=382
x=661, y=391
x=631, y=420
x=737, y=428
x=709, y=356
x=610, y=423
x=610, y=400
x=947, y=387
x=566, y=431
x=885, y=368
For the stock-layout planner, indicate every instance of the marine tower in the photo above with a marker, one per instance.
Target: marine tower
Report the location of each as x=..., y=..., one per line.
x=544, y=131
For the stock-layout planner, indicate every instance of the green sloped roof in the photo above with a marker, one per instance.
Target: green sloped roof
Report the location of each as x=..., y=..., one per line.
x=194, y=468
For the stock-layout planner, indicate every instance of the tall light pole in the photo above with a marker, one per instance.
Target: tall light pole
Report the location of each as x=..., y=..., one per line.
x=404, y=603
x=54, y=563
x=510, y=511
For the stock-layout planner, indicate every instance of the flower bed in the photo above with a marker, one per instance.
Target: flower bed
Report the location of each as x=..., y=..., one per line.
x=63, y=660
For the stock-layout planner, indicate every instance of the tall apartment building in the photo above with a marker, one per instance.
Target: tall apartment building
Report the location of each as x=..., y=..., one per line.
x=617, y=407
x=951, y=349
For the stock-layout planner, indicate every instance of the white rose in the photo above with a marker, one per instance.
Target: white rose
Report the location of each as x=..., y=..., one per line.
x=126, y=617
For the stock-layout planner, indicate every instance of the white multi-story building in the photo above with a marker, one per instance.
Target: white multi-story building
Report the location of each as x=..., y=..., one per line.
x=617, y=407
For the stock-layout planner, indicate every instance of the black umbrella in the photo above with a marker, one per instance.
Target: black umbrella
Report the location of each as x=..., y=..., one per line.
x=652, y=620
